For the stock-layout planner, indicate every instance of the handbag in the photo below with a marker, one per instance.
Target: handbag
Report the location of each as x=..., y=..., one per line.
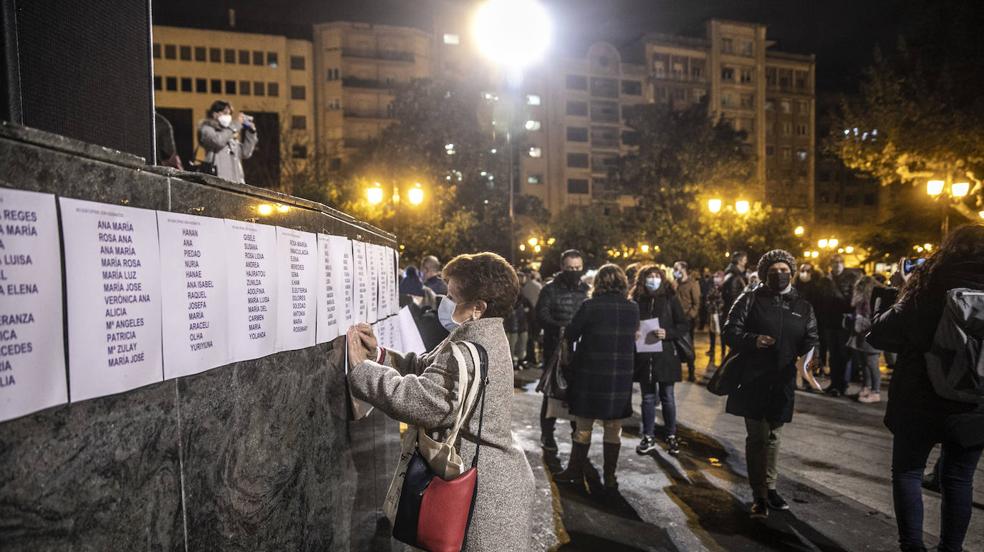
x=684, y=349
x=553, y=383
x=204, y=167
x=726, y=378
x=437, y=495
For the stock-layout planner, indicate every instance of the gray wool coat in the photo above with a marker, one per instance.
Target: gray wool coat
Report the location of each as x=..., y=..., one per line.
x=224, y=150
x=422, y=390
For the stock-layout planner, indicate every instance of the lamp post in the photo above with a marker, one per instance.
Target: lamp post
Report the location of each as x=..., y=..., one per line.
x=937, y=189
x=512, y=34
x=376, y=195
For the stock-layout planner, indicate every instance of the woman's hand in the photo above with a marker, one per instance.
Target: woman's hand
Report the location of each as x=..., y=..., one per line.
x=368, y=338
x=660, y=334
x=764, y=341
x=357, y=350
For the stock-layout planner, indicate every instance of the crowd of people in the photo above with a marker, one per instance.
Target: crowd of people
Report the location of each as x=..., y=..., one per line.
x=782, y=322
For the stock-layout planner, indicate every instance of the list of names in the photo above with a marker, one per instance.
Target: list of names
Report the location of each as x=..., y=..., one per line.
x=252, y=261
x=298, y=254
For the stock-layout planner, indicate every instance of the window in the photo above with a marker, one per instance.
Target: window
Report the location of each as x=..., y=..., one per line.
x=171, y=83
x=243, y=57
x=747, y=124
x=535, y=152
x=215, y=55
x=259, y=88
x=728, y=99
x=578, y=109
x=678, y=94
x=532, y=99
x=272, y=59
x=697, y=69
x=577, y=134
x=157, y=50
x=801, y=129
x=170, y=51
x=748, y=101
x=659, y=68
x=630, y=138
x=230, y=87
x=787, y=154
x=244, y=88
x=229, y=55
x=803, y=107
x=801, y=79
x=603, y=163
x=727, y=45
x=298, y=151
x=273, y=89
x=297, y=93
x=298, y=122
x=534, y=179
x=787, y=129
x=331, y=74
x=452, y=39
x=697, y=94
x=604, y=88
x=157, y=83
x=770, y=151
x=728, y=74
x=747, y=47
x=660, y=93
x=747, y=75
x=604, y=137
x=335, y=164
x=335, y=104
x=532, y=125
x=631, y=88
x=201, y=86
x=200, y=53
x=184, y=52
x=577, y=82
x=770, y=105
x=577, y=186
x=801, y=155
x=786, y=107
x=870, y=199
x=604, y=112
x=578, y=160
x=216, y=86
x=297, y=63
x=186, y=84
x=770, y=77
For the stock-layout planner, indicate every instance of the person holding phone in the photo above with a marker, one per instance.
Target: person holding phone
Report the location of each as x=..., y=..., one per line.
x=227, y=141
x=769, y=328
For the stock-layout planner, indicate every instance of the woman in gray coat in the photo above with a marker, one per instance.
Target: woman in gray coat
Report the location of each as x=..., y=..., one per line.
x=227, y=143
x=422, y=391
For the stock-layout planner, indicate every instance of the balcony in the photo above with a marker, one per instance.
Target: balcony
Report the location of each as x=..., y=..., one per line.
x=377, y=84
x=382, y=55
x=368, y=114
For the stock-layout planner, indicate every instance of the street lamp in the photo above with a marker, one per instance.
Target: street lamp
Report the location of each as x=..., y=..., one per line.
x=935, y=187
x=799, y=231
x=375, y=194
x=742, y=207
x=822, y=243
x=960, y=189
x=714, y=205
x=416, y=194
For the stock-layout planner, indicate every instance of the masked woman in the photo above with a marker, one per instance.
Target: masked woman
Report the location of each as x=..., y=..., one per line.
x=769, y=327
x=226, y=141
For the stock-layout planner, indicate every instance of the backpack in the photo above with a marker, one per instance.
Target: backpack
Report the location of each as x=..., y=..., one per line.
x=955, y=364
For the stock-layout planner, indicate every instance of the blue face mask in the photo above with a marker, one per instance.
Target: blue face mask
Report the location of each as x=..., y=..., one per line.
x=652, y=284
x=444, y=312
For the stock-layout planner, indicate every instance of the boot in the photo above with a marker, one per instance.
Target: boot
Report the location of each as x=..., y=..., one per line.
x=611, y=462
x=575, y=465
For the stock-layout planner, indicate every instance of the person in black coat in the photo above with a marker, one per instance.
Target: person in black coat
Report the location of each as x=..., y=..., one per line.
x=918, y=417
x=600, y=380
x=768, y=328
x=658, y=372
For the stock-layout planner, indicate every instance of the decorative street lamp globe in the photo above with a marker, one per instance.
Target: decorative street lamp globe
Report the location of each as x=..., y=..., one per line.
x=714, y=205
x=512, y=33
x=742, y=207
x=935, y=187
x=375, y=194
x=415, y=195
x=960, y=189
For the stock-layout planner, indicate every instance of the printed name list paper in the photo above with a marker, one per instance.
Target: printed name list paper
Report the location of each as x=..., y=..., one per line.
x=344, y=281
x=297, y=254
x=334, y=273
x=251, y=250
x=32, y=354
x=195, y=298
x=361, y=282
x=113, y=275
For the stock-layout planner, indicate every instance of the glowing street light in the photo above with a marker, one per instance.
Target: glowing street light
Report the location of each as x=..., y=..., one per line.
x=849, y=249
x=832, y=242
x=714, y=205
x=644, y=248
x=960, y=189
x=375, y=194
x=264, y=209
x=935, y=187
x=822, y=243
x=415, y=195
x=282, y=209
x=742, y=207
x=532, y=242
x=815, y=254
x=799, y=231
x=512, y=33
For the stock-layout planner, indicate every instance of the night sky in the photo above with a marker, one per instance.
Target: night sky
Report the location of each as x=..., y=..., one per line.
x=842, y=33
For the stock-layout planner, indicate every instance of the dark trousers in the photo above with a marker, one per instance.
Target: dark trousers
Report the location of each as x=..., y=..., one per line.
x=839, y=355
x=690, y=363
x=957, y=466
x=714, y=338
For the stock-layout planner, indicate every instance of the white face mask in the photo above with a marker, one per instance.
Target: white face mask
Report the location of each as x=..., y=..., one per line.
x=225, y=119
x=652, y=284
x=445, y=314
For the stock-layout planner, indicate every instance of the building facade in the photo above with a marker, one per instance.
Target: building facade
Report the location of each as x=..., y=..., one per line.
x=267, y=76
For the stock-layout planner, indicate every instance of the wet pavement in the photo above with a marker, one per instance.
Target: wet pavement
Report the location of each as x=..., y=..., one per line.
x=834, y=466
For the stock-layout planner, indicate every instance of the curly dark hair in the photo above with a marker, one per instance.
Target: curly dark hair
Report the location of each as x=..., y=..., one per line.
x=639, y=289
x=610, y=279
x=965, y=245
x=485, y=277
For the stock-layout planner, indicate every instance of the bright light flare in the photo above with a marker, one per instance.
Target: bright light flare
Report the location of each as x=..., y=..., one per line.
x=935, y=187
x=374, y=195
x=714, y=205
x=264, y=209
x=415, y=195
x=799, y=231
x=512, y=33
x=742, y=207
x=960, y=189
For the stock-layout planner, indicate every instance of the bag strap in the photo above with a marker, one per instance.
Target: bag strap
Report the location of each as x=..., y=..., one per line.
x=481, y=355
x=467, y=395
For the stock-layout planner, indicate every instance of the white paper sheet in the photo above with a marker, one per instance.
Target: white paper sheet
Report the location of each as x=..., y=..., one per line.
x=297, y=278
x=361, y=282
x=251, y=250
x=344, y=281
x=32, y=353
x=372, y=262
x=329, y=298
x=194, y=279
x=112, y=270
x=396, y=281
x=647, y=343
x=803, y=369
x=410, y=339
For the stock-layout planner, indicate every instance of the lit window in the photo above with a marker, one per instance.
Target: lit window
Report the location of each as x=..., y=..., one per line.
x=452, y=39
x=801, y=155
x=534, y=179
x=532, y=125
x=536, y=152
x=532, y=99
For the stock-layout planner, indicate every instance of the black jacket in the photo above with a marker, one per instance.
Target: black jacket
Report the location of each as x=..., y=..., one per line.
x=768, y=380
x=733, y=286
x=908, y=328
x=600, y=384
x=555, y=309
x=663, y=366
x=835, y=293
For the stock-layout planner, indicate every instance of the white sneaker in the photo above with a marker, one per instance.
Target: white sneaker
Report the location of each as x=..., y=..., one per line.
x=870, y=398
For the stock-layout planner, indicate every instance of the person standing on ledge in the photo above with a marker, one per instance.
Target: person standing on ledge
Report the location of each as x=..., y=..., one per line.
x=421, y=391
x=227, y=142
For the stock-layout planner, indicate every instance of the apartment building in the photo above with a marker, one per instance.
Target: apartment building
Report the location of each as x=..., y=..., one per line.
x=266, y=76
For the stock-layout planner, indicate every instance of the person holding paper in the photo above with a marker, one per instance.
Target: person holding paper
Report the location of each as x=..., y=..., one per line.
x=769, y=328
x=657, y=372
x=421, y=390
x=600, y=382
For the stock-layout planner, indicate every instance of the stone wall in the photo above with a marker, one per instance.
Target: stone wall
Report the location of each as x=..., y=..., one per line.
x=254, y=455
